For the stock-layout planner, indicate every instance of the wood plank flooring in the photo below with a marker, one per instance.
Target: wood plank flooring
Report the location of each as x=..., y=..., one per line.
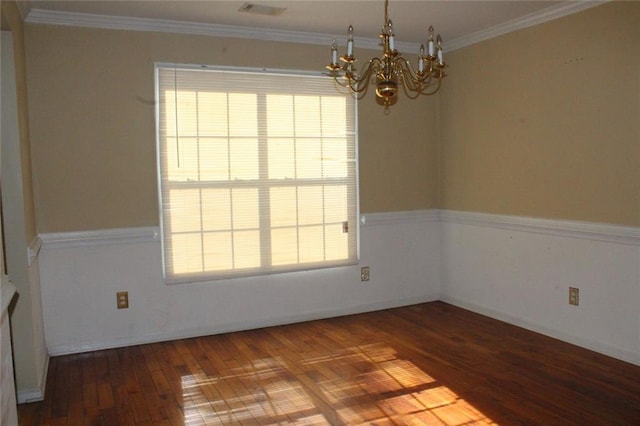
x=431, y=364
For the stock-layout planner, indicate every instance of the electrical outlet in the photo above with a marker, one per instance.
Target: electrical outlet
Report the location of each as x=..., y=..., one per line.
x=574, y=296
x=122, y=298
x=364, y=273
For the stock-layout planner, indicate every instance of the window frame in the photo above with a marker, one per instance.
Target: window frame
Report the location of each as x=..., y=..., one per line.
x=264, y=227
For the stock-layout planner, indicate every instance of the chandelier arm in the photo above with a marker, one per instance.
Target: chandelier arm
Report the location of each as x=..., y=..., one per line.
x=428, y=89
x=434, y=90
x=372, y=68
x=360, y=86
x=357, y=86
x=437, y=75
x=407, y=76
x=415, y=85
x=411, y=94
x=355, y=94
x=361, y=94
x=340, y=85
x=342, y=81
x=347, y=81
x=415, y=79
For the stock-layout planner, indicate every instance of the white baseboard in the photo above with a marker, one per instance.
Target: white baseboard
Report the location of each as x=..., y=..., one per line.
x=25, y=396
x=623, y=355
x=30, y=395
x=236, y=326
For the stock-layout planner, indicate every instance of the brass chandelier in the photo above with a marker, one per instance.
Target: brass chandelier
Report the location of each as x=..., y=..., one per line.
x=391, y=69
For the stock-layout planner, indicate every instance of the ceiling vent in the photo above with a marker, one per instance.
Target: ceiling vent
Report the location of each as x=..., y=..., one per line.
x=261, y=9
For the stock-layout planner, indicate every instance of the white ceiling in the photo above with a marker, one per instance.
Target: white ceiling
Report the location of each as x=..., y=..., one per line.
x=460, y=22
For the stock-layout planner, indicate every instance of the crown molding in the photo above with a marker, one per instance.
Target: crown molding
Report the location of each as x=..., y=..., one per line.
x=52, y=17
x=539, y=17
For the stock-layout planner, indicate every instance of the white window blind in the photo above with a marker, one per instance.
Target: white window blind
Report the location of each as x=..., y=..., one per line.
x=257, y=172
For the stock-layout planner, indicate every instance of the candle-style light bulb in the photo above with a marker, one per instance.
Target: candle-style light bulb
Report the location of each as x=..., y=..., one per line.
x=334, y=52
x=421, y=59
x=440, y=55
x=350, y=42
x=430, y=45
x=392, y=41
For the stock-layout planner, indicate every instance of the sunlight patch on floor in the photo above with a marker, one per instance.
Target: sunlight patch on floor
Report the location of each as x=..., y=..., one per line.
x=360, y=385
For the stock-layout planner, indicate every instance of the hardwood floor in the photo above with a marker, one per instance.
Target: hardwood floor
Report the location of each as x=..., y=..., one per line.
x=431, y=364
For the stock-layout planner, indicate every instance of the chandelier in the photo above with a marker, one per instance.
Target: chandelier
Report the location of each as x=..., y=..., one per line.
x=390, y=70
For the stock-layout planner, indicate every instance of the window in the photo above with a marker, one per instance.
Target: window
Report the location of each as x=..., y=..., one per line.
x=257, y=172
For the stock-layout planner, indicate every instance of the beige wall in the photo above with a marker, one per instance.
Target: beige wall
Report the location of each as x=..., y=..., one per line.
x=545, y=122
x=542, y=122
x=29, y=350
x=13, y=20
x=91, y=97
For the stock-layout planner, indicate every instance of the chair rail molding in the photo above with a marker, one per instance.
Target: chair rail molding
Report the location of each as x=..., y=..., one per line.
x=564, y=228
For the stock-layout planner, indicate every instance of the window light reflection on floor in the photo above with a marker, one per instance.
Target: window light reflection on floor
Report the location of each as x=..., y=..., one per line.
x=360, y=385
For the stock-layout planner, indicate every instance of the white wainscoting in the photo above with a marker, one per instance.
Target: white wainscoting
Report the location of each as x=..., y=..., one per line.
x=81, y=273
x=520, y=269
x=41, y=353
x=511, y=268
x=8, y=411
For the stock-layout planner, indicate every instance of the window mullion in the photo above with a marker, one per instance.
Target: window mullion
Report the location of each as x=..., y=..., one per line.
x=322, y=170
x=231, y=217
x=295, y=171
x=175, y=117
x=264, y=187
x=199, y=175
